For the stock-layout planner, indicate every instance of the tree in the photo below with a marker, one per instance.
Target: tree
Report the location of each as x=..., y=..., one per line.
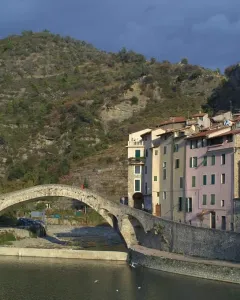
x=85, y=183
x=152, y=60
x=184, y=61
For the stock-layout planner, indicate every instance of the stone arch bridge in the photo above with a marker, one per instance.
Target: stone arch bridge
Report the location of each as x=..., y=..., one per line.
x=122, y=218
x=139, y=227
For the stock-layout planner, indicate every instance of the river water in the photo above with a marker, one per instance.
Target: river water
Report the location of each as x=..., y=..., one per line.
x=55, y=279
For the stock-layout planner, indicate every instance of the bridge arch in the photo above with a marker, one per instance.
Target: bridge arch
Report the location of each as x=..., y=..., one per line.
x=110, y=211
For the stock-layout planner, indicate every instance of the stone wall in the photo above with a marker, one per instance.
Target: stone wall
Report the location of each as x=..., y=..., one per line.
x=18, y=233
x=190, y=267
x=189, y=240
x=151, y=231
x=63, y=253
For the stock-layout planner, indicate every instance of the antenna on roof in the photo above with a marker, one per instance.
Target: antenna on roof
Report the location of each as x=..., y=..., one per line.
x=231, y=108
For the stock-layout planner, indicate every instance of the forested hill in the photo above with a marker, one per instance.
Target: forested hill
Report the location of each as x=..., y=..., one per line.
x=66, y=108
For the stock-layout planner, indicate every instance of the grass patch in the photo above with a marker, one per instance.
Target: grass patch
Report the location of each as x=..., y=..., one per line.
x=6, y=238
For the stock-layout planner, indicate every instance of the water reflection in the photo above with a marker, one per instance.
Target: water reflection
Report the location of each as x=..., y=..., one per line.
x=40, y=279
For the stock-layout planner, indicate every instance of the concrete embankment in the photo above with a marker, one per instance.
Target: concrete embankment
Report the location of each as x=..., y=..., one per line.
x=190, y=266
x=64, y=253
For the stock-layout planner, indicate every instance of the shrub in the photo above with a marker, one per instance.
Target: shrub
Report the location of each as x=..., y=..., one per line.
x=134, y=100
x=184, y=61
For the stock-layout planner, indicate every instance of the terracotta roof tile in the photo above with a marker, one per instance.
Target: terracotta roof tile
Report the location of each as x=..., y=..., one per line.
x=199, y=115
x=173, y=120
x=235, y=131
x=204, y=133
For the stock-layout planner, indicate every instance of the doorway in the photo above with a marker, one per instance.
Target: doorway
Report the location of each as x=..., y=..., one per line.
x=213, y=220
x=223, y=223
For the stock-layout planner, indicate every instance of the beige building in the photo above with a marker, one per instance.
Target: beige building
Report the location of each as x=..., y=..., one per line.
x=151, y=168
x=156, y=166
x=136, y=160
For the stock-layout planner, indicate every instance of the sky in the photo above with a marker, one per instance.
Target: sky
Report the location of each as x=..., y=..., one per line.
x=206, y=32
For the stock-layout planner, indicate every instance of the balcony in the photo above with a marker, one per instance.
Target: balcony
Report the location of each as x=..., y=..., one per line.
x=135, y=143
x=136, y=160
x=222, y=146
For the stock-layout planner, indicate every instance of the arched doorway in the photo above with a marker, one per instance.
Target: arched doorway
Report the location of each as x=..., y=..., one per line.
x=138, y=200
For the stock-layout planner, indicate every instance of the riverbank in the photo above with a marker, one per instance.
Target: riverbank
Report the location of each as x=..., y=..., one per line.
x=64, y=253
x=184, y=265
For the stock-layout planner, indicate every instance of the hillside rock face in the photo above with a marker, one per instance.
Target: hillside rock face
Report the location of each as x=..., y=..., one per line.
x=66, y=109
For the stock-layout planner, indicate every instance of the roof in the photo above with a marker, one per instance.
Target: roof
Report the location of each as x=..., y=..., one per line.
x=231, y=132
x=199, y=115
x=205, y=133
x=147, y=132
x=173, y=120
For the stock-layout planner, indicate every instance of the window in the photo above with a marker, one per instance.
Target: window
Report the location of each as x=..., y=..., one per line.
x=164, y=174
x=164, y=149
x=212, y=199
x=157, y=194
x=164, y=164
x=222, y=203
x=155, y=178
x=213, y=179
x=193, y=181
x=137, y=170
x=156, y=152
x=193, y=162
x=145, y=169
x=204, y=200
x=164, y=195
x=189, y=205
x=213, y=160
x=205, y=161
x=137, y=185
x=181, y=182
x=223, y=159
x=146, y=152
x=204, y=179
x=193, y=144
x=177, y=162
x=175, y=148
x=223, y=178
x=179, y=203
x=146, y=188
x=137, y=153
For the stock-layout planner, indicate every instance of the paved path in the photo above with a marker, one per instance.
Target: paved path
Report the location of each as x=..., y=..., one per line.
x=154, y=252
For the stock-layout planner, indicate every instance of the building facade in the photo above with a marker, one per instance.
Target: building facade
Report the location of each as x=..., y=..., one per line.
x=187, y=172
x=210, y=185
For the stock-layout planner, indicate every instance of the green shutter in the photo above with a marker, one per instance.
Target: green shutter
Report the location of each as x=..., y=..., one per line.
x=212, y=199
x=204, y=202
x=204, y=179
x=193, y=181
x=213, y=160
x=190, y=162
x=137, y=185
x=205, y=160
x=137, y=153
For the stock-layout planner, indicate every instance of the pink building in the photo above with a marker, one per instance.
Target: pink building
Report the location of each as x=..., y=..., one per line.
x=209, y=185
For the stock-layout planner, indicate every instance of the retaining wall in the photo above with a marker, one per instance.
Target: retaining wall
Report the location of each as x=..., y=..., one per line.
x=63, y=253
x=189, y=266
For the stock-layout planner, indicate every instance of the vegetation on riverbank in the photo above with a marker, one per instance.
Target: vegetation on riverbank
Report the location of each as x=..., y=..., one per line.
x=6, y=238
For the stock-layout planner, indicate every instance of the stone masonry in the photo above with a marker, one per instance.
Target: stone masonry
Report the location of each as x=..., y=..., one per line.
x=139, y=227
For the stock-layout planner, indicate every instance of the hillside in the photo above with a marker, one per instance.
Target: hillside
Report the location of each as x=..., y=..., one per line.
x=67, y=108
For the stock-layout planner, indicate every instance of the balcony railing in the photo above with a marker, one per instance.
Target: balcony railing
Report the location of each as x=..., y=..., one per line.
x=223, y=146
x=136, y=160
x=135, y=143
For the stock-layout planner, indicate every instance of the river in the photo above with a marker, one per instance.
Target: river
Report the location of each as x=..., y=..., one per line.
x=55, y=279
